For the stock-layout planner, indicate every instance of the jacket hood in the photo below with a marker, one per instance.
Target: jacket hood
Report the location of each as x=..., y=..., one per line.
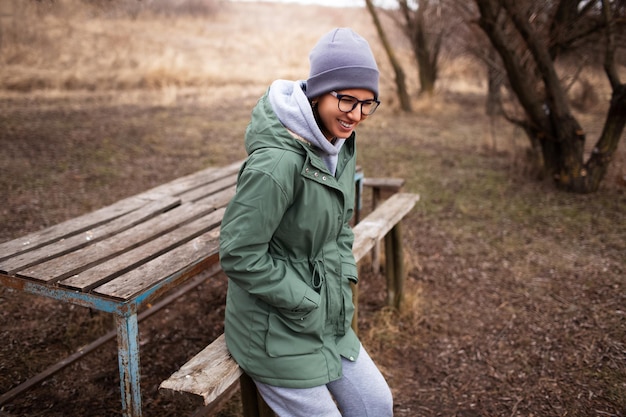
x=284, y=109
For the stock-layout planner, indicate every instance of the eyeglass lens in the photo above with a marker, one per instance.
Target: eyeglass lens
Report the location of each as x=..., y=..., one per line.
x=347, y=104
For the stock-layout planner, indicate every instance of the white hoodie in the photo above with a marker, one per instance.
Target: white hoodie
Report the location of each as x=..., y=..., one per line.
x=293, y=109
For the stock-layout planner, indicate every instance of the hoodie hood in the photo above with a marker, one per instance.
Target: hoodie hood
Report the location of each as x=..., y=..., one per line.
x=293, y=109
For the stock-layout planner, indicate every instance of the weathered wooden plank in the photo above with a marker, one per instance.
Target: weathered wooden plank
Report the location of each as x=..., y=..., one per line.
x=376, y=225
x=88, y=237
x=381, y=187
x=205, y=376
x=197, y=179
x=101, y=273
x=75, y=262
x=208, y=189
x=219, y=199
x=151, y=273
x=94, y=219
x=394, y=257
x=70, y=227
x=386, y=183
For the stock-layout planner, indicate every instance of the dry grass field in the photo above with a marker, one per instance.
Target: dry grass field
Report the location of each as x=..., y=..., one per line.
x=516, y=293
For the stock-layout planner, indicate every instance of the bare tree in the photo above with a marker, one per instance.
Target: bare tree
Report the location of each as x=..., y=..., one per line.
x=403, y=95
x=424, y=29
x=531, y=38
x=423, y=25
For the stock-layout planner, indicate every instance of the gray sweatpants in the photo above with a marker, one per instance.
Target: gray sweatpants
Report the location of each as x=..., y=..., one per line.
x=361, y=392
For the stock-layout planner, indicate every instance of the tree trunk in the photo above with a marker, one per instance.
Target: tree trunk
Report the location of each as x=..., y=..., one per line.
x=493, y=107
x=426, y=53
x=427, y=65
x=589, y=177
x=403, y=95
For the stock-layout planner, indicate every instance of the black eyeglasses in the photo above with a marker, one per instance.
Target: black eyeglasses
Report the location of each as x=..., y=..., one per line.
x=348, y=103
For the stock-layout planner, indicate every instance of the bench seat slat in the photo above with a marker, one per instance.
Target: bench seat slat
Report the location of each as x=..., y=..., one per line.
x=379, y=222
x=203, y=383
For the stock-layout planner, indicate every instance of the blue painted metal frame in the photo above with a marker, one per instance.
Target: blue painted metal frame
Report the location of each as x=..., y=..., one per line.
x=127, y=330
x=125, y=312
x=128, y=359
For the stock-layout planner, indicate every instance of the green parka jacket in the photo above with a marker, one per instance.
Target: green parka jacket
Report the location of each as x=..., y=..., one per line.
x=286, y=247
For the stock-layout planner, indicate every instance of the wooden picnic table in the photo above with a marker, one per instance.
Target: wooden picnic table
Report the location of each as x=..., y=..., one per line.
x=125, y=255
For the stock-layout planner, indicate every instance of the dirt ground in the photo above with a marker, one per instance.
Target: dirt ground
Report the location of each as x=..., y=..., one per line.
x=478, y=339
x=515, y=294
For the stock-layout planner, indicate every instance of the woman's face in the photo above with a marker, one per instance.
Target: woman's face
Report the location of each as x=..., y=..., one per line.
x=336, y=123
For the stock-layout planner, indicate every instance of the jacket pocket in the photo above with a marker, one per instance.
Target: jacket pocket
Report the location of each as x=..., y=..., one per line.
x=294, y=332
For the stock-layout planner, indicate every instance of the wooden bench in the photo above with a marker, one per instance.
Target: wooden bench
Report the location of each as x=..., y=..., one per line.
x=381, y=188
x=210, y=377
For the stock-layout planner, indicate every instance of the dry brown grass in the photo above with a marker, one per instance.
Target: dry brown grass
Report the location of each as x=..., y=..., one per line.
x=515, y=292
x=63, y=46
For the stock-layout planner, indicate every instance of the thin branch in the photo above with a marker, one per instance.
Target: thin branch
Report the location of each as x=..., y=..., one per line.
x=554, y=92
x=609, y=58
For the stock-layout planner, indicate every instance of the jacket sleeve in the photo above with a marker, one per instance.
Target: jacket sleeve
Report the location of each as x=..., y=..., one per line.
x=249, y=222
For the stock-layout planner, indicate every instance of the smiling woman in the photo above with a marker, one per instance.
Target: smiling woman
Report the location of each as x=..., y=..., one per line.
x=286, y=241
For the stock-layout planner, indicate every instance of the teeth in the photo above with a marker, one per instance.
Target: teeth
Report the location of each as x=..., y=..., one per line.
x=344, y=124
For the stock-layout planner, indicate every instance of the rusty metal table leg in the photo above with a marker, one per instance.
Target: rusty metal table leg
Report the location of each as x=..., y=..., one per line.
x=128, y=356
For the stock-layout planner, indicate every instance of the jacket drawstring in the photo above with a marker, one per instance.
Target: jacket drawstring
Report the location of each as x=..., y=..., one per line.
x=318, y=276
x=317, y=282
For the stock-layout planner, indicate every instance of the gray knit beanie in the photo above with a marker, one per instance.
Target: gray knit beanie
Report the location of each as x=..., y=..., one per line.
x=340, y=60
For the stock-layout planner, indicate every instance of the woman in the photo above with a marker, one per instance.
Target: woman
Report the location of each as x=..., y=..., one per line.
x=286, y=243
